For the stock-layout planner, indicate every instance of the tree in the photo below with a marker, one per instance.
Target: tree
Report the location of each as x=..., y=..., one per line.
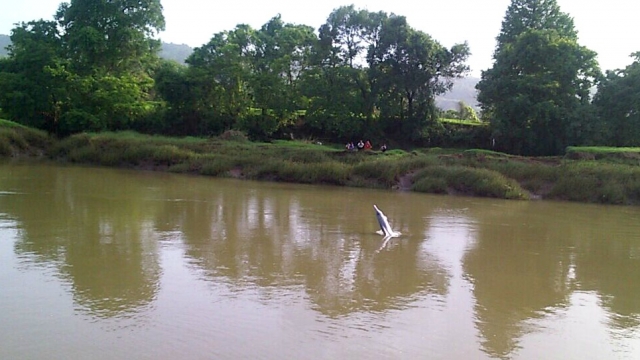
x=618, y=104
x=249, y=79
x=346, y=35
x=31, y=93
x=218, y=76
x=346, y=44
x=413, y=69
x=536, y=95
x=525, y=15
x=111, y=36
x=87, y=71
x=333, y=102
x=466, y=112
x=110, y=53
x=282, y=55
x=384, y=73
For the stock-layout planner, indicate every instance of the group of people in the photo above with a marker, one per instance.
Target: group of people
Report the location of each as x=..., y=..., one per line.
x=364, y=146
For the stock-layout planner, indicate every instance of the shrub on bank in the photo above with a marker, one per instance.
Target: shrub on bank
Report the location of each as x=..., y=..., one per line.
x=431, y=184
x=233, y=135
x=157, y=155
x=383, y=170
x=305, y=173
x=217, y=166
x=467, y=181
x=306, y=156
x=471, y=172
x=598, y=182
x=16, y=139
x=621, y=155
x=11, y=141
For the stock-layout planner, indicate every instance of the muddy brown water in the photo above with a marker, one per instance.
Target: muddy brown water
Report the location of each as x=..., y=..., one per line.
x=114, y=264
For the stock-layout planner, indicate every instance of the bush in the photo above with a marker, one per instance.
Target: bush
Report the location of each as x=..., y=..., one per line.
x=17, y=139
x=431, y=185
x=234, y=135
x=307, y=156
x=472, y=172
x=217, y=166
x=323, y=173
x=382, y=171
x=594, y=181
x=468, y=181
x=13, y=139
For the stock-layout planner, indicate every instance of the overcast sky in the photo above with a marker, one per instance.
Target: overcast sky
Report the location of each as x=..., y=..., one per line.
x=611, y=28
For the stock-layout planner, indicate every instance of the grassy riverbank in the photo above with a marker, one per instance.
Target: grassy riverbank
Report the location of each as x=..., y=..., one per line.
x=17, y=140
x=595, y=175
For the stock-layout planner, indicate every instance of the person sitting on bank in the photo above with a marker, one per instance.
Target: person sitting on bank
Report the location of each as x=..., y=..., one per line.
x=367, y=145
x=360, y=145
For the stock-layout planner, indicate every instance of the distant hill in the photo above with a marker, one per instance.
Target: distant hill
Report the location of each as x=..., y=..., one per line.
x=5, y=41
x=170, y=51
x=463, y=89
x=176, y=52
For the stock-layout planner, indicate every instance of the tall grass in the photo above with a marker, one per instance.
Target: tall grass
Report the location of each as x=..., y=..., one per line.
x=473, y=172
x=618, y=155
x=592, y=181
x=16, y=139
x=463, y=122
x=217, y=167
x=309, y=173
x=467, y=181
x=612, y=176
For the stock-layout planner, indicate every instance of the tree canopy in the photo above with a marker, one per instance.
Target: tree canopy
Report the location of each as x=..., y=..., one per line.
x=537, y=91
x=618, y=104
x=88, y=70
x=362, y=74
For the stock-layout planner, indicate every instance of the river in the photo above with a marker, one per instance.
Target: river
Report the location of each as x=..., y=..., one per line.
x=102, y=263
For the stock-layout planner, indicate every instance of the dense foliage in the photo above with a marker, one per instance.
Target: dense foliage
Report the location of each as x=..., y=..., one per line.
x=597, y=175
x=537, y=92
x=618, y=104
x=95, y=67
x=362, y=74
x=86, y=70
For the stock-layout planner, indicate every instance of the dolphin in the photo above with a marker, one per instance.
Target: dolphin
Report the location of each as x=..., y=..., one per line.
x=384, y=223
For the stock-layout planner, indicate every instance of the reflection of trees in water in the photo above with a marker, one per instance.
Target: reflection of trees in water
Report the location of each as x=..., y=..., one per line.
x=275, y=238
x=96, y=240
x=357, y=277
x=607, y=260
x=114, y=271
x=517, y=272
x=528, y=261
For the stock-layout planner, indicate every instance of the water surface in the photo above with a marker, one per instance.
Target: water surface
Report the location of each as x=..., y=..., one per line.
x=113, y=264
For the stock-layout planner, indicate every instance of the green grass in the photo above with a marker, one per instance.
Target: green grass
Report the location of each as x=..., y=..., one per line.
x=603, y=149
x=17, y=140
x=472, y=172
x=468, y=181
x=462, y=122
x=9, y=124
x=598, y=182
x=618, y=155
x=608, y=175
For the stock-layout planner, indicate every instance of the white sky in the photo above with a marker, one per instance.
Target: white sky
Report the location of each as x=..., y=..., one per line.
x=610, y=28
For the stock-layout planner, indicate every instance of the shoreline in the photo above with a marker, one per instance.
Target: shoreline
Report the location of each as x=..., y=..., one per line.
x=603, y=176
